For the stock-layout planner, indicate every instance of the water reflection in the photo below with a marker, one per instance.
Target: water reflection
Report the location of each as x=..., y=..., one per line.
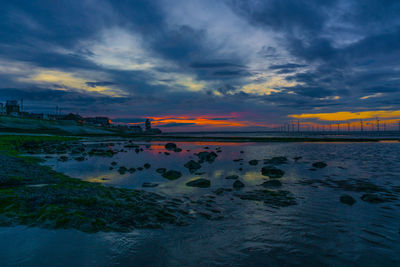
x=319, y=230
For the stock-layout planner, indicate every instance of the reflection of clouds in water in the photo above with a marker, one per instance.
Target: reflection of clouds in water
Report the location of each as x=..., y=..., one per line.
x=105, y=177
x=253, y=176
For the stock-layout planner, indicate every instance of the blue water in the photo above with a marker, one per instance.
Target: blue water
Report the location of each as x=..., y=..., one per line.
x=318, y=231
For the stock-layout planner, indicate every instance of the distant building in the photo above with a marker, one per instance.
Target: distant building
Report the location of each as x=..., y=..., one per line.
x=98, y=121
x=149, y=130
x=33, y=115
x=73, y=117
x=2, y=109
x=148, y=125
x=12, y=108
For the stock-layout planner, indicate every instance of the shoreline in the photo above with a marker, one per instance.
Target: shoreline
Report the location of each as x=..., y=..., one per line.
x=260, y=139
x=188, y=138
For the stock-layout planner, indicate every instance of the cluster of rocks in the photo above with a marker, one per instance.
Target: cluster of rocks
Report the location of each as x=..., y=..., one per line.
x=172, y=147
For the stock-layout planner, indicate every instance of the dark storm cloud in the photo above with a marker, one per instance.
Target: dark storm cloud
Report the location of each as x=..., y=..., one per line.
x=212, y=65
x=287, y=66
x=171, y=57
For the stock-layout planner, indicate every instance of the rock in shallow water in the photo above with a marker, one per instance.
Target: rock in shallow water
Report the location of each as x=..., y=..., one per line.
x=232, y=177
x=272, y=172
x=238, y=184
x=207, y=156
x=172, y=175
x=170, y=146
x=202, y=183
x=192, y=165
x=347, y=199
x=319, y=164
x=372, y=198
x=147, y=165
x=253, y=162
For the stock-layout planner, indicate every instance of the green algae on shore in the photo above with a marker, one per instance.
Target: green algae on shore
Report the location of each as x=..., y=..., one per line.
x=35, y=195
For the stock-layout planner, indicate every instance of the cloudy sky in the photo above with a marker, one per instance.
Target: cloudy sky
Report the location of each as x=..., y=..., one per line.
x=204, y=64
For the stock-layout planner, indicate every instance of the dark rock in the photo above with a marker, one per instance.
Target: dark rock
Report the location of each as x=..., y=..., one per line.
x=297, y=158
x=172, y=175
x=122, y=170
x=131, y=170
x=207, y=156
x=147, y=165
x=253, y=162
x=80, y=158
x=372, y=198
x=319, y=164
x=177, y=149
x=237, y=160
x=170, y=146
x=161, y=170
x=192, y=165
x=63, y=158
x=241, y=151
x=240, y=169
x=149, y=185
x=272, y=183
x=238, y=184
x=203, y=183
x=272, y=172
x=347, y=199
x=140, y=168
x=166, y=153
x=232, y=177
x=114, y=163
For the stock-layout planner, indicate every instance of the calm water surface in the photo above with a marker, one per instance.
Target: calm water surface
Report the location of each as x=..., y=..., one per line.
x=319, y=230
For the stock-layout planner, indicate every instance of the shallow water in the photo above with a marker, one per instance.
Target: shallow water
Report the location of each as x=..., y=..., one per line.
x=319, y=230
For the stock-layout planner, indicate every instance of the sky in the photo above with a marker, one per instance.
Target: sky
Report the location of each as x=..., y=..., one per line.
x=201, y=65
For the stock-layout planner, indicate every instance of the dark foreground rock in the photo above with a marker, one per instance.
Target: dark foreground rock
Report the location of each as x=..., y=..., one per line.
x=232, y=177
x=253, y=162
x=238, y=184
x=205, y=156
x=347, y=199
x=319, y=164
x=372, y=198
x=192, y=165
x=170, y=146
x=203, y=183
x=272, y=198
x=172, y=175
x=272, y=172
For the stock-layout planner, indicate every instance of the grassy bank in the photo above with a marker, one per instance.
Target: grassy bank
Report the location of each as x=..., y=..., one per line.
x=35, y=195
